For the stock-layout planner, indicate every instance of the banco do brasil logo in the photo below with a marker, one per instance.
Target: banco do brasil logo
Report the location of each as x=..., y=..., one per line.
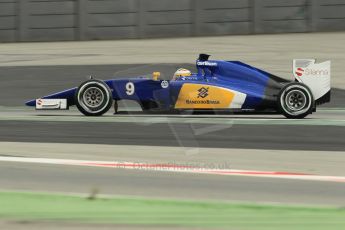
x=203, y=92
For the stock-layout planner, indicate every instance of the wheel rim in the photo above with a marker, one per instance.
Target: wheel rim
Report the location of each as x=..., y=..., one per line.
x=292, y=106
x=295, y=100
x=93, y=97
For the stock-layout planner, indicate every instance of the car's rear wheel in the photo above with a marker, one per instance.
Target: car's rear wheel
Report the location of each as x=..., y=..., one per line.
x=93, y=98
x=295, y=100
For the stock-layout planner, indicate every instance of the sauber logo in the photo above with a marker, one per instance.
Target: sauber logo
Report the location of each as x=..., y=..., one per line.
x=299, y=71
x=312, y=72
x=203, y=92
x=308, y=67
x=165, y=84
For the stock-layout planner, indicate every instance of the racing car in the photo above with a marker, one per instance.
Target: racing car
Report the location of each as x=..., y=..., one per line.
x=216, y=85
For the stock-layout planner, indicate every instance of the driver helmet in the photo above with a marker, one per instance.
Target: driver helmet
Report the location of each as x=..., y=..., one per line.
x=182, y=73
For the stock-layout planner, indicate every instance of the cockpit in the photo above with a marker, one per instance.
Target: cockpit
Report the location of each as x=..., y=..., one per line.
x=181, y=73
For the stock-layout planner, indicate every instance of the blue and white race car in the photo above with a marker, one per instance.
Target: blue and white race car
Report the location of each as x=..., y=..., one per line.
x=217, y=85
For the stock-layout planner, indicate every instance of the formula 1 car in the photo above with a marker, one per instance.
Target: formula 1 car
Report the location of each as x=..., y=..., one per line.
x=217, y=85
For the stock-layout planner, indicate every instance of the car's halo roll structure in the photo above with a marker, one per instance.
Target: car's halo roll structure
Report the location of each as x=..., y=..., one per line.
x=217, y=85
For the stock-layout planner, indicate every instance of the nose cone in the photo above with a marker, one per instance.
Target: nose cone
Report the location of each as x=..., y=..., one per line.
x=31, y=102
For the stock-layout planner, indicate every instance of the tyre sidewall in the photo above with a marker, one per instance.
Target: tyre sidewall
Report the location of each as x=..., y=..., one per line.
x=103, y=107
x=309, y=97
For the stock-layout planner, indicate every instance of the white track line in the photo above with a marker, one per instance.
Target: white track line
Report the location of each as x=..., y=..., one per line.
x=175, y=168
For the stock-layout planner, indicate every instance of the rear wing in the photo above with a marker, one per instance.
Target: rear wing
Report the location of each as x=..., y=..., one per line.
x=317, y=76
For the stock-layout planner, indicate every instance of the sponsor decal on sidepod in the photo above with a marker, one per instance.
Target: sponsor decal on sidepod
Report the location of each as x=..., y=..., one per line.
x=200, y=96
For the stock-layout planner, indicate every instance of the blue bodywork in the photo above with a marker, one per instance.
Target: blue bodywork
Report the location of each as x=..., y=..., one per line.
x=261, y=88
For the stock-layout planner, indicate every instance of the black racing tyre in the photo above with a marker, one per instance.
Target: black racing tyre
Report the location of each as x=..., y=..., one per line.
x=93, y=98
x=295, y=100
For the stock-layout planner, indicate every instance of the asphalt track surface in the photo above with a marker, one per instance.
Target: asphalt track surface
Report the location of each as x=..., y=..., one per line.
x=177, y=185
x=321, y=132
x=172, y=185
x=246, y=136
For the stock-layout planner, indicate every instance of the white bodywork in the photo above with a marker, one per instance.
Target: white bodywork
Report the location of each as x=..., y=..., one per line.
x=317, y=76
x=238, y=100
x=47, y=104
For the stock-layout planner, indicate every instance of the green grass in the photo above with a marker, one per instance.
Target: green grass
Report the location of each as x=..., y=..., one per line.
x=136, y=211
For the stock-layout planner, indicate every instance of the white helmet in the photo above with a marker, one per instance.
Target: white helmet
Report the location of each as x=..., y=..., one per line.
x=182, y=73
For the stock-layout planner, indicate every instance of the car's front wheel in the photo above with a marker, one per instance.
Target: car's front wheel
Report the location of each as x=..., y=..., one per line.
x=93, y=98
x=295, y=100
